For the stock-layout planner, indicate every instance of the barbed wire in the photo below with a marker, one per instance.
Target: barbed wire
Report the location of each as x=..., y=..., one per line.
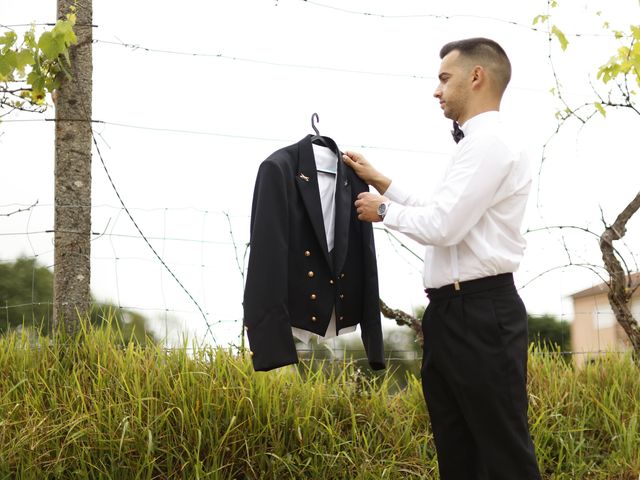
x=436, y=16
x=221, y=134
x=606, y=314
x=390, y=16
x=24, y=207
x=305, y=66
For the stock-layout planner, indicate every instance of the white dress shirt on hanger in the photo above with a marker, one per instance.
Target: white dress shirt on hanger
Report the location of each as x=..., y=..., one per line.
x=326, y=161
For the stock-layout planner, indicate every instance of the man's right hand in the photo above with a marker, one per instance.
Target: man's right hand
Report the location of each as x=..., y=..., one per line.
x=366, y=171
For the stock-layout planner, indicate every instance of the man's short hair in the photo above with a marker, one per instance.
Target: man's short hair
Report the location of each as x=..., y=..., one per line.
x=484, y=52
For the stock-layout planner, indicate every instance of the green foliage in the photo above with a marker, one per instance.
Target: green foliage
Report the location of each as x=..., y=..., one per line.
x=92, y=409
x=626, y=61
x=623, y=66
x=37, y=64
x=547, y=333
x=26, y=296
x=27, y=288
x=560, y=36
x=600, y=108
x=540, y=19
x=555, y=31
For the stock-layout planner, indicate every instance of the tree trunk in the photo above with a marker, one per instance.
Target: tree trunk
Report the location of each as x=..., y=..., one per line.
x=72, y=216
x=620, y=287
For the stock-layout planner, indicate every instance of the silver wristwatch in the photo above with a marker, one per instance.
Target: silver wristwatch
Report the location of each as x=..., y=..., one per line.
x=382, y=209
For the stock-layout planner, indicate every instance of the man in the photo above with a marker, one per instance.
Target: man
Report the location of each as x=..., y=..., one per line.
x=475, y=327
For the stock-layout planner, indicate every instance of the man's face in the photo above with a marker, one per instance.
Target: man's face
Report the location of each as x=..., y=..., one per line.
x=454, y=86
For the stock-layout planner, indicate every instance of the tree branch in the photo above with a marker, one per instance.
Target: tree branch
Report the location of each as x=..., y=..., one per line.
x=403, y=319
x=620, y=280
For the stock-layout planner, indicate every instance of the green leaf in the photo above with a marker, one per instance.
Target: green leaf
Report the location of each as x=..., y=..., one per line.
x=561, y=37
x=5, y=69
x=64, y=30
x=30, y=38
x=23, y=58
x=600, y=108
x=47, y=45
x=37, y=89
x=11, y=59
x=8, y=39
x=540, y=18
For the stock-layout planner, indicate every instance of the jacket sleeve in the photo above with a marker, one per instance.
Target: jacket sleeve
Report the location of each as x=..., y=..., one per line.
x=266, y=317
x=370, y=325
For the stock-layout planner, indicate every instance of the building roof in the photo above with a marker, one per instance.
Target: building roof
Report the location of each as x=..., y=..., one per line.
x=604, y=288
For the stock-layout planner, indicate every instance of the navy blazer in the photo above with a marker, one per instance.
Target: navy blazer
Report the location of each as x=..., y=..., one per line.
x=292, y=280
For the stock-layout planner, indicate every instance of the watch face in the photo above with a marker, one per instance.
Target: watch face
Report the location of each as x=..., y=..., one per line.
x=382, y=209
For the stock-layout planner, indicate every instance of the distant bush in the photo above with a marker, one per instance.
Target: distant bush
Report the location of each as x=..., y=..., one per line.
x=549, y=332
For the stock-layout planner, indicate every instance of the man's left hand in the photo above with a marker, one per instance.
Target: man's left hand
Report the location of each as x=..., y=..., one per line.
x=367, y=206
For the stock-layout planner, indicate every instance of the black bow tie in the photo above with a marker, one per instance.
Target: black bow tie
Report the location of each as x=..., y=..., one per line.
x=457, y=132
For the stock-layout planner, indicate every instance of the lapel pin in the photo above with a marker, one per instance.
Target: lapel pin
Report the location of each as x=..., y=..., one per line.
x=303, y=177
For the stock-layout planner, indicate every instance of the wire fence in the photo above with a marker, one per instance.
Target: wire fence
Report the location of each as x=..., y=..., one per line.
x=218, y=252
x=180, y=265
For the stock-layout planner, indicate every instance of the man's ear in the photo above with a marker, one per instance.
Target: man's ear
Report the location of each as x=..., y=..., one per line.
x=478, y=76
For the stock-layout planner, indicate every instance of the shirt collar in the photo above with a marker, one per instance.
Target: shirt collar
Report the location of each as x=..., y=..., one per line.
x=480, y=121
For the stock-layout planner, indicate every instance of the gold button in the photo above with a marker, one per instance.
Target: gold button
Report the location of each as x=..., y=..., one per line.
x=310, y=274
x=342, y=275
x=313, y=319
x=250, y=353
x=331, y=282
x=341, y=295
x=313, y=296
x=307, y=253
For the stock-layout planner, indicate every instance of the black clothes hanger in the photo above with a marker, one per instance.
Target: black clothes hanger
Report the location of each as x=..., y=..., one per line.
x=323, y=141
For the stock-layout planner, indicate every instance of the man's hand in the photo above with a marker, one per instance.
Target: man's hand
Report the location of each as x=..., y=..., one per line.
x=366, y=172
x=367, y=206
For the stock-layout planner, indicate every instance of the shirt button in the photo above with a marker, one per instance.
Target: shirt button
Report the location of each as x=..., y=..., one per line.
x=331, y=281
x=341, y=318
x=307, y=253
x=313, y=296
x=313, y=319
x=342, y=275
x=310, y=274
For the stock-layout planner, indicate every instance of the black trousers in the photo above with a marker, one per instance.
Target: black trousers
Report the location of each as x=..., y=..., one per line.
x=474, y=375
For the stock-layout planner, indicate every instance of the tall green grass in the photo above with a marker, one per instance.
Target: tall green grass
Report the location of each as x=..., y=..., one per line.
x=92, y=408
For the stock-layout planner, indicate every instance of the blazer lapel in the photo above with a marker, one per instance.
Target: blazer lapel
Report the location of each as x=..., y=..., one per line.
x=343, y=216
x=307, y=183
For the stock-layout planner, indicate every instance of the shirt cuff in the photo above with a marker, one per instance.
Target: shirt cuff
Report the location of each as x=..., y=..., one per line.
x=390, y=219
x=396, y=194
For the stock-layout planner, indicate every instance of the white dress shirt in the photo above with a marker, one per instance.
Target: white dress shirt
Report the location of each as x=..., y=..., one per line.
x=471, y=223
x=326, y=161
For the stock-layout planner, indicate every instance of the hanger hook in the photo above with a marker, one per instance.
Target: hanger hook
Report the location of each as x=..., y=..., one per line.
x=313, y=125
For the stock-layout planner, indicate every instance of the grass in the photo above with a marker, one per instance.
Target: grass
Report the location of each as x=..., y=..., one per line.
x=95, y=409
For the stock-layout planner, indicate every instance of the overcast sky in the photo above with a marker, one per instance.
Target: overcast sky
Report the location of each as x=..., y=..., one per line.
x=184, y=135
